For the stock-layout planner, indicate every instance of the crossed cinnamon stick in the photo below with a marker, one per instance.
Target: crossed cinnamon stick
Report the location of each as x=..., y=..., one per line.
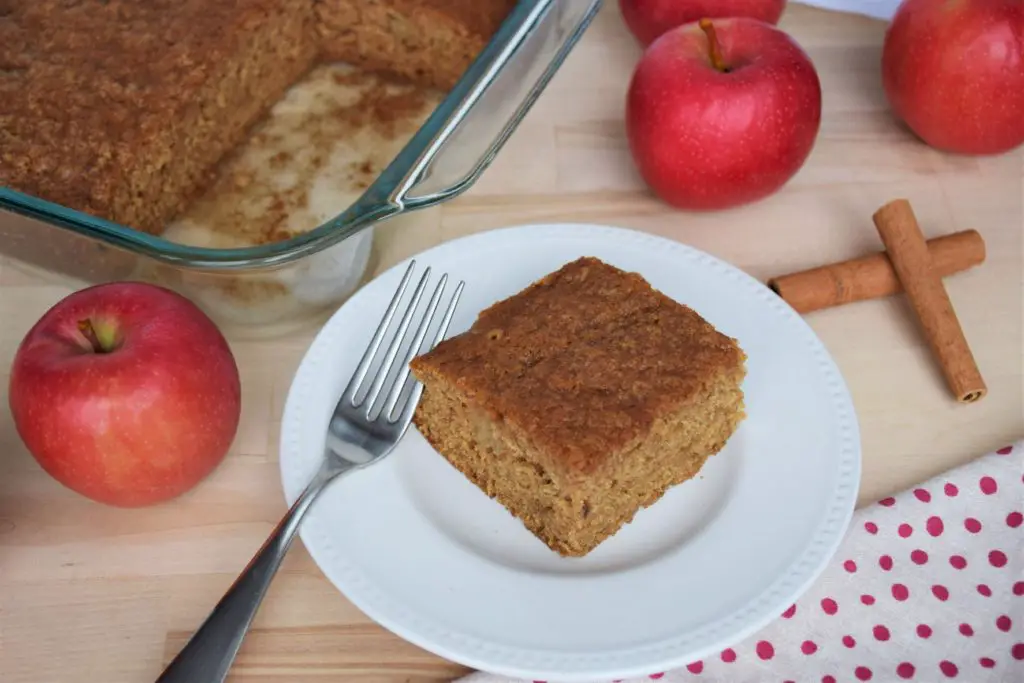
x=909, y=264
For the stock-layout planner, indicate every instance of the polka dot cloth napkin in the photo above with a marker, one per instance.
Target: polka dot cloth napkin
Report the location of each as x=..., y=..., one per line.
x=927, y=586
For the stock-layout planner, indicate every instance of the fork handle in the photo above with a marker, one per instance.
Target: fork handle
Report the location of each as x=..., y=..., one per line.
x=209, y=654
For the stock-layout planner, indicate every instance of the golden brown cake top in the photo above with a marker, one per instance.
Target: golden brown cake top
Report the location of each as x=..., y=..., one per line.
x=85, y=84
x=92, y=90
x=478, y=17
x=584, y=360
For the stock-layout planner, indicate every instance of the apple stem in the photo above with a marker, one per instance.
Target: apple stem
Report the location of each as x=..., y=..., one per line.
x=714, y=48
x=89, y=332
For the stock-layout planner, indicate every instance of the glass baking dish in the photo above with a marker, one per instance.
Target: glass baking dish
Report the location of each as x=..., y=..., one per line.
x=267, y=288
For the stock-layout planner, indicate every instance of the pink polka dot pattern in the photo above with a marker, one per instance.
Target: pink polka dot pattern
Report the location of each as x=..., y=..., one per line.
x=923, y=588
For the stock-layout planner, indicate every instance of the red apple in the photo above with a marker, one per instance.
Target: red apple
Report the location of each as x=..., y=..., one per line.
x=953, y=71
x=722, y=113
x=648, y=19
x=126, y=393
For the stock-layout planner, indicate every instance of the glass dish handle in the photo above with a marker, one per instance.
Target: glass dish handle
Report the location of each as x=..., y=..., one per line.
x=463, y=135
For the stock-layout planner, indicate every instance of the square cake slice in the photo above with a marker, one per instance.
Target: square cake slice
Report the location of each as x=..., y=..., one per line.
x=581, y=400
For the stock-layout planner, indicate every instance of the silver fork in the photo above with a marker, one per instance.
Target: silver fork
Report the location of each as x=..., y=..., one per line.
x=365, y=427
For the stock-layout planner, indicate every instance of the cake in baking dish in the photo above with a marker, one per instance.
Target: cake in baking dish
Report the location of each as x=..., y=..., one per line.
x=429, y=42
x=581, y=400
x=123, y=108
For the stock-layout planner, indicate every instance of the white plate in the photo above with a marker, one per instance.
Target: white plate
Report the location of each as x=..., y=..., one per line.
x=420, y=550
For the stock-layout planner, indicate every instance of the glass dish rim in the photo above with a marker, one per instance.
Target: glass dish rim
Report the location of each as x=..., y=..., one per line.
x=386, y=197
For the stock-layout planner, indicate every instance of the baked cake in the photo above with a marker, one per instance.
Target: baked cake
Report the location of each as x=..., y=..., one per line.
x=581, y=400
x=428, y=42
x=124, y=108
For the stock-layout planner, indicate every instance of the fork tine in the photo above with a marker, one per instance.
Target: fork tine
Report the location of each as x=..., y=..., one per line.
x=396, y=343
x=398, y=386
x=448, y=314
x=371, y=350
x=414, y=396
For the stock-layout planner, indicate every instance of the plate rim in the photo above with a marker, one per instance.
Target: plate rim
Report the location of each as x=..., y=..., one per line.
x=806, y=565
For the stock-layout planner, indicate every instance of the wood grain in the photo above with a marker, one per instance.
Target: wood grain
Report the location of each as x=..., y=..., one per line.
x=94, y=594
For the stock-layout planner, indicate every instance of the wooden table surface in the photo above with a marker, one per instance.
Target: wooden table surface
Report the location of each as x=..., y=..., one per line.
x=89, y=593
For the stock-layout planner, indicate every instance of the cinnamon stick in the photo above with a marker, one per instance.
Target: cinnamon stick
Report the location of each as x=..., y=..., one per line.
x=872, y=276
x=908, y=253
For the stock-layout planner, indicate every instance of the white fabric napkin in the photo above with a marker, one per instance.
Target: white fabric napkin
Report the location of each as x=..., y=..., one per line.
x=880, y=9
x=927, y=586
